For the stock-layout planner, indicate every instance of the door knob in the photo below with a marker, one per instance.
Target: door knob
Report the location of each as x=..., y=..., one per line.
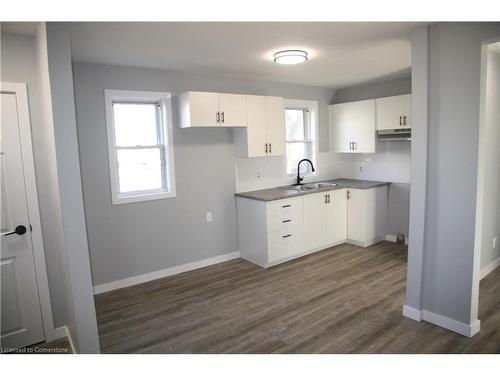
x=20, y=230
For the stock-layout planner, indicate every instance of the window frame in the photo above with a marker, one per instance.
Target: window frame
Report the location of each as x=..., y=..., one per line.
x=164, y=142
x=312, y=107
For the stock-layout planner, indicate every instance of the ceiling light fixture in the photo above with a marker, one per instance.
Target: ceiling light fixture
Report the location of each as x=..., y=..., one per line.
x=290, y=57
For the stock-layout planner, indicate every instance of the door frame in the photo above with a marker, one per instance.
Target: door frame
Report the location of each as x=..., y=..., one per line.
x=20, y=90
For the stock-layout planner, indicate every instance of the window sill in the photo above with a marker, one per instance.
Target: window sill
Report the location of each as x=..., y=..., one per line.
x=124, y=199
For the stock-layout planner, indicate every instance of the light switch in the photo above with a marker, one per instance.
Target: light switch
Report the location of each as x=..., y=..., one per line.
x=209, y=217
x=495, y=240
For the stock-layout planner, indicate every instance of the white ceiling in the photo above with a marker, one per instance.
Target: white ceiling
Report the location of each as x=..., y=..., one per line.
x=341, y=54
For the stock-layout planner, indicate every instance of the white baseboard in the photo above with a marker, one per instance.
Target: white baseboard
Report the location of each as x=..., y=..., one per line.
x=102, y=288
x=55, y=334
x=394, y=238
x=468, y=330
x=70, y=340
x=412, y=313
x=490, y=268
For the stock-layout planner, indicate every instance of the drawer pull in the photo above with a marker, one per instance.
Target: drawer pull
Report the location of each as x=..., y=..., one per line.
x=287, y=205
x=287, y=235
x=287, y=221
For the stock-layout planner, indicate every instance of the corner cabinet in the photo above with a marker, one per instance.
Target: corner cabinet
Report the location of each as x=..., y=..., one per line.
x=352, y=127
x=210, y=109
x=367, y=215
x=393, y=112
x=264, y=134
x=274, y=232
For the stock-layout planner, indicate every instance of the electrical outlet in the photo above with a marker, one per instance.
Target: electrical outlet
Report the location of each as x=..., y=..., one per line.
x=209, y=217
x=258, y=174
x=495, y=240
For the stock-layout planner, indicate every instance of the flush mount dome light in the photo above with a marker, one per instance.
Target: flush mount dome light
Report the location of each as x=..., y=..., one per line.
x=290, y=57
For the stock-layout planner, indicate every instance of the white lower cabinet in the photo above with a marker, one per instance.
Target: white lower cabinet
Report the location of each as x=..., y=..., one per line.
x=274, y=232
x=367, y=215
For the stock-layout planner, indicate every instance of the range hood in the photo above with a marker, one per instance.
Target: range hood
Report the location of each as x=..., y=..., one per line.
x=394, y=135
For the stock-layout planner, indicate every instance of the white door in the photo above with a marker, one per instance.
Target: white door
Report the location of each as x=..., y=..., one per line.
x=363, y=124
x=341, y=128
x=21, y=315
x=204, y=108
x=256, y=125
x=336, y=217
x=389, y=113
x=406, y=110
x=356, y=227
x=275, y=125
x=314, y=220
x=232, y=109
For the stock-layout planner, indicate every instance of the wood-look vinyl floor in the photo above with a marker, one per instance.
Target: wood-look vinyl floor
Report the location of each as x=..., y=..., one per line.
x=345, y=299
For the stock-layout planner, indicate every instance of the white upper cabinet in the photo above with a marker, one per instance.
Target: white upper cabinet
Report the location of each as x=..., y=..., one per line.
x=352, y=127
x=232, y=110
x=275, y=125
x=264, y=134
x=209, y=109
x=254, y=136
x=394, y=112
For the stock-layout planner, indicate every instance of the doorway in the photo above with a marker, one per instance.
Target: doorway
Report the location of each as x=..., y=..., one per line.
x=25, y=301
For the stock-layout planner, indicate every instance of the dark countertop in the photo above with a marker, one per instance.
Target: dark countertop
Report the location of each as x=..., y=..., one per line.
x=281, y=192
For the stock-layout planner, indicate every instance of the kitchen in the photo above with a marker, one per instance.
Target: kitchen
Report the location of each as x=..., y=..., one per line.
x=255, y=200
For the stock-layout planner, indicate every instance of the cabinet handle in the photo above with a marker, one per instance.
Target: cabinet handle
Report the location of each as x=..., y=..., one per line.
x=287, y=221
x=222, y=118
x=400, y=120
x=270, y=150
x=354, y=145
x=217, y=117
x=350, y=145
x=287, y=205
x=287, y=235
x=328, y=198
x=404, y=120
x=266, y=149
x=348, y=194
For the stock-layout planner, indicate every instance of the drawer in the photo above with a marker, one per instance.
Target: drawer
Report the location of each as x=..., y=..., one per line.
x=283, y=221
x=284, y=206
x=284, y=243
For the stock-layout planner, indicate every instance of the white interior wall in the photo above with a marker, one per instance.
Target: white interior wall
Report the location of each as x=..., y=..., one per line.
x=21, y=62
x=489, y=167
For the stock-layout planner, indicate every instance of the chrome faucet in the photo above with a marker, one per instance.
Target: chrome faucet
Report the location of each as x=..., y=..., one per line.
x=300, y=179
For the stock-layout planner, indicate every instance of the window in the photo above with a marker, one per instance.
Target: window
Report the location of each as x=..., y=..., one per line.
x=140, y=145
x=300, y=133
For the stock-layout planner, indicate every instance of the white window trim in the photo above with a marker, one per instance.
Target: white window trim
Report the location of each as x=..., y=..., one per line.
x=165, y=101
x=312, y=106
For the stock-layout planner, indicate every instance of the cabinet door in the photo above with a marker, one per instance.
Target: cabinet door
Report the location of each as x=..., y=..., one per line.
x=389, y=113
x=406, y=110
x=363, y=126
x=340, y=128
x=233, y=110
x=203, y=108
x=356, y=215
x=275, y=125
x=336, y=217
x=353, y=122
x=314, y=221
x=256, y=125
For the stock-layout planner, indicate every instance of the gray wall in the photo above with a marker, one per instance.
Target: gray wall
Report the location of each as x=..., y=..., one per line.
x=373, y=90
x=20, y=64
x=392, y=160
x=454, y=87
x=490, y=220
x=133, y=239
x=59, y=93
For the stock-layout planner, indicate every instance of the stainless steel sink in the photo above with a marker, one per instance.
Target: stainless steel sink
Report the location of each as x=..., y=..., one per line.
x=311, y=186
